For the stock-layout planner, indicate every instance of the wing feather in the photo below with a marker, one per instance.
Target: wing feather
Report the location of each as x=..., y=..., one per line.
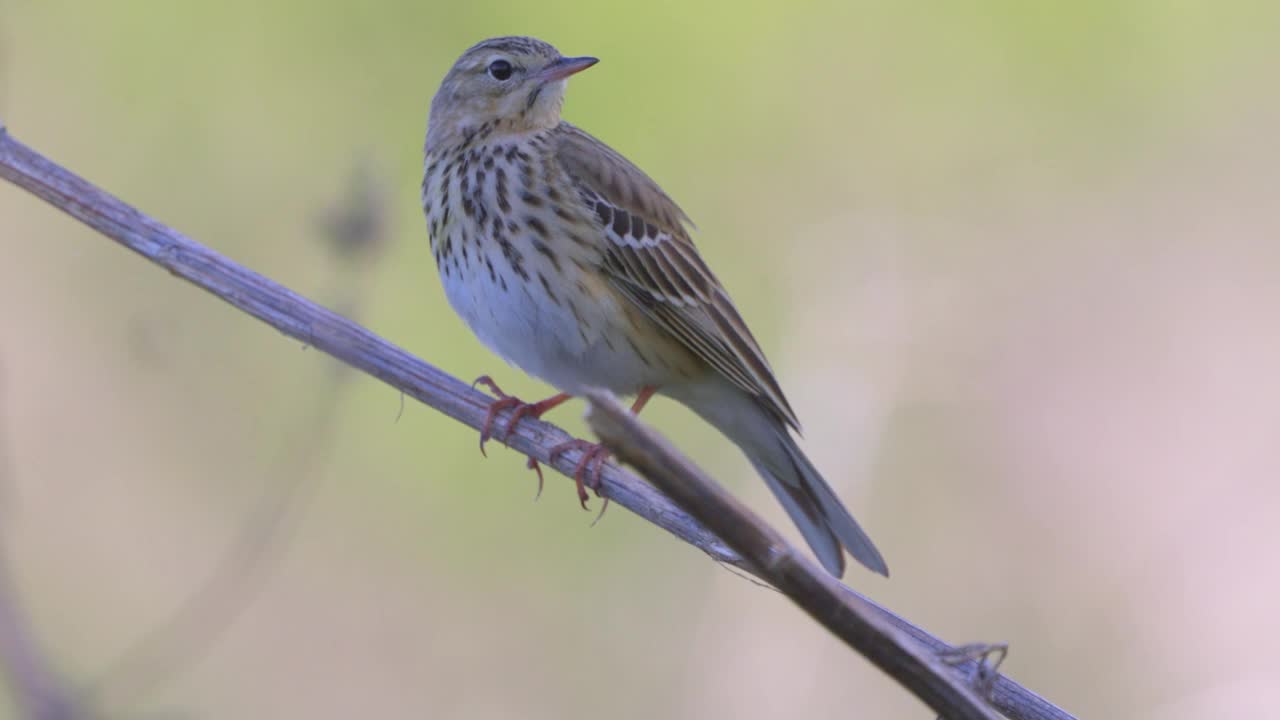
x=651, y=259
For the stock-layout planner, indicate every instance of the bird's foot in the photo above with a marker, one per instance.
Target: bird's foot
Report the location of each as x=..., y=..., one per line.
x=520, y=409
x=587, y=473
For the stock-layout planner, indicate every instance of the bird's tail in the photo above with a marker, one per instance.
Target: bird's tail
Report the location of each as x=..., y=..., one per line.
x=807, y=498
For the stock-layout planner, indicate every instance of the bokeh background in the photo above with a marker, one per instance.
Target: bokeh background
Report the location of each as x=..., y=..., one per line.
x=1015, y=263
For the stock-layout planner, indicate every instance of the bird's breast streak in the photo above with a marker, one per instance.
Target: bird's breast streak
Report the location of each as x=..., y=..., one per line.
x=516, y=263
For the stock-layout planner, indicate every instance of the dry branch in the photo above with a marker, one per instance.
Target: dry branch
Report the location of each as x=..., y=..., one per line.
x=300, y=318
x=779, y=563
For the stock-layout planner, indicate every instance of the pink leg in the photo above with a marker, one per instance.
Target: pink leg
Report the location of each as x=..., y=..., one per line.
x=590, y=467
x=520, y=409
x=507, y=402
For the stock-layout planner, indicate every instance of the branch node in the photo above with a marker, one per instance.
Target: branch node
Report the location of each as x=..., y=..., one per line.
x=986, y=659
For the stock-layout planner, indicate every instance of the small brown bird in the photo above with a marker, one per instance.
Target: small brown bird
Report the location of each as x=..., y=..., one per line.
x=570, y=263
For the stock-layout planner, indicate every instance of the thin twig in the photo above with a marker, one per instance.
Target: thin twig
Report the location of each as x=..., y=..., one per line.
x=299, y=318
x=323, y=329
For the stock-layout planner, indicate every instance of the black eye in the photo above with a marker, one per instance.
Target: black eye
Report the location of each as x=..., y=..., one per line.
x=500, y=70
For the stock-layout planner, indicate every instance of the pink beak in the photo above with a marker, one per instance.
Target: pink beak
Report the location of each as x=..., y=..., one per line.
x=562, y=68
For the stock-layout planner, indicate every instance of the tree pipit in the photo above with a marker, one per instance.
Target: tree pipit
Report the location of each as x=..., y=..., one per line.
x=573, y=265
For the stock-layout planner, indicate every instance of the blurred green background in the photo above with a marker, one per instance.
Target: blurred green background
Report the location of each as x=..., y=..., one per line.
x=1016, y=264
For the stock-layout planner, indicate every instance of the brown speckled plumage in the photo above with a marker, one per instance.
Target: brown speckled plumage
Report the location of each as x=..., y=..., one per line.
x=571, y=263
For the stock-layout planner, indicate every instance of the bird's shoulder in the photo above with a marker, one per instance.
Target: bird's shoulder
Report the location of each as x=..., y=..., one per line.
x=651, y=259
x=605, y=173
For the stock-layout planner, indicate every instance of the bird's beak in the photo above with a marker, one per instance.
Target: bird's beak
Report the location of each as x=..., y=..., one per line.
x=561, y=68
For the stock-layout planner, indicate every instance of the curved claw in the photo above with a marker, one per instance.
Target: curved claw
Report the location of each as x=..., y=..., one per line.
x=486, y=430
x=589, y=470
x=587, y=473
x=535, y=466
x=522, y=410
x=597, y=481
x=503, y=402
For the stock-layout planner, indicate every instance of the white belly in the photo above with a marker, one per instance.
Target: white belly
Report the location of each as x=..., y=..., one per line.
x=512, y=272
x=546, y=339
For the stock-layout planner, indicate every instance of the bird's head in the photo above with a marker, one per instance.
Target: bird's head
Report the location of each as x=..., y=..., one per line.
x=514, y=84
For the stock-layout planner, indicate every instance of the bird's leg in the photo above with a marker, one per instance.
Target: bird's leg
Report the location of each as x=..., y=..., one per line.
x=591, y=465
x=522, y=409
x=590, y=451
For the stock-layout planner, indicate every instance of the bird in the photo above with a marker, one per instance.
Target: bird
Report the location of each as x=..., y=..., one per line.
x=570, y=263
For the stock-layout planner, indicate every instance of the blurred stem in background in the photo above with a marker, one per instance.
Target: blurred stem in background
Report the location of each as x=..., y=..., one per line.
x=354, y=231
x=37, y=689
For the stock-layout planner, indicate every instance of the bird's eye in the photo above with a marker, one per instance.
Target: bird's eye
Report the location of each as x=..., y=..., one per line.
x=500, y=70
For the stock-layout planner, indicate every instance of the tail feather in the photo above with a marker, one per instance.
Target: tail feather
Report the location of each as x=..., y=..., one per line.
x=837, y=516
x=813, y=506
x=806, y=513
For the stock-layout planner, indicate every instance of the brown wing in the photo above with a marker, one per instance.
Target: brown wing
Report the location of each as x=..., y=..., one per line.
x=651, y=259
